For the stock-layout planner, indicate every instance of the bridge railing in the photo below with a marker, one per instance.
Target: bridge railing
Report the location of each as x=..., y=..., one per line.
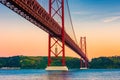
x=32, y=11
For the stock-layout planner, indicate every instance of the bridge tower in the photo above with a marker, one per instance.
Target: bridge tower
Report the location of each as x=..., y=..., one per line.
x=83, y=63
x=56, y=10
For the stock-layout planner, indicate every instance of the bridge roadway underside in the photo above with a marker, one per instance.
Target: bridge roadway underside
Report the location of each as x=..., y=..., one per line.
x=33, y=12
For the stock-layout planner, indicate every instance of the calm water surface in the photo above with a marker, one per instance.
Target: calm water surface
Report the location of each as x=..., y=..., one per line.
x=90, y=74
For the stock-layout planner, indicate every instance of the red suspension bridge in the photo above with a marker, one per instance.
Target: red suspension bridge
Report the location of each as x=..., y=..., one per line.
x=54, y=22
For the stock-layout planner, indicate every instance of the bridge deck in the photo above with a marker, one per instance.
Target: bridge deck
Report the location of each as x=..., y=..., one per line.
x=32, y=11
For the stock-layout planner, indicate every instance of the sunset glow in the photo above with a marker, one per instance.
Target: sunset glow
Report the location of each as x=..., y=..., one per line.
x=98, y=20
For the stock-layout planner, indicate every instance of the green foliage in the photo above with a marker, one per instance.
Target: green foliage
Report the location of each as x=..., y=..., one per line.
x=28, y=62
x=105, y=62
x=13, y=61
x=33, y=62
x=3, y=62
x=10, y=62
x=56, y=61
x=72, y=62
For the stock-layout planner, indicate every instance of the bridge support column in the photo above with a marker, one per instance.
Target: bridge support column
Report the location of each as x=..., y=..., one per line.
x=83, y=64
x=53, y=41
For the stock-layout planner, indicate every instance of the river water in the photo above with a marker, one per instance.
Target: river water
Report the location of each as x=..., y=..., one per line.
x=36, y=74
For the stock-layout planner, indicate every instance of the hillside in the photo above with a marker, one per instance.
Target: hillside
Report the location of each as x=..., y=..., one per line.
x=105, y=63
x=29, y=62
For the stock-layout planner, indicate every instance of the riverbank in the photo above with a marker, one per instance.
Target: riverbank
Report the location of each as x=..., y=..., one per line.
x=40, y=62
x=10, y=68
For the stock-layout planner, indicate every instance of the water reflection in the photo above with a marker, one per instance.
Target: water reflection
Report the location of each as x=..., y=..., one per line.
x=58, y=75
x=91, y=74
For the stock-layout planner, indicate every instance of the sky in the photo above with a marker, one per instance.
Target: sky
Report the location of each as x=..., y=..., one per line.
x=98, y=20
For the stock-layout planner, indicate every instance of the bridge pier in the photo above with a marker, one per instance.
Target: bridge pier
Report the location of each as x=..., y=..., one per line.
x=53, y=41
x=83, y=64
x=56, y=68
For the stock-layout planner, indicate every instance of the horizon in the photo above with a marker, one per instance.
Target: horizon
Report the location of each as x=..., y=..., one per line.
x=59, y=56
x=99, y=21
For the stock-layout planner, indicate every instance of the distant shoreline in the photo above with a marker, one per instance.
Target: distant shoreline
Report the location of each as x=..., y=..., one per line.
x=40, y=62
x=9, y=68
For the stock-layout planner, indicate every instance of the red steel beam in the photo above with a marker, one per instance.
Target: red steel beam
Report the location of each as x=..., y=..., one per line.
x=38, y=16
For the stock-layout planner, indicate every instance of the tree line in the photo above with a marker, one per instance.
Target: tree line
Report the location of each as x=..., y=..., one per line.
x=29, y=62
x=38, y=62
x=105, y=62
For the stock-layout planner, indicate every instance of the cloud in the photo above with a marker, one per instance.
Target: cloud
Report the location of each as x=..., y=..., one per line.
x=80, y=13
x=111, y=19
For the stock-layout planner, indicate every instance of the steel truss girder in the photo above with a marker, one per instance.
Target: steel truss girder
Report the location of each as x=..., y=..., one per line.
x=29, y=10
